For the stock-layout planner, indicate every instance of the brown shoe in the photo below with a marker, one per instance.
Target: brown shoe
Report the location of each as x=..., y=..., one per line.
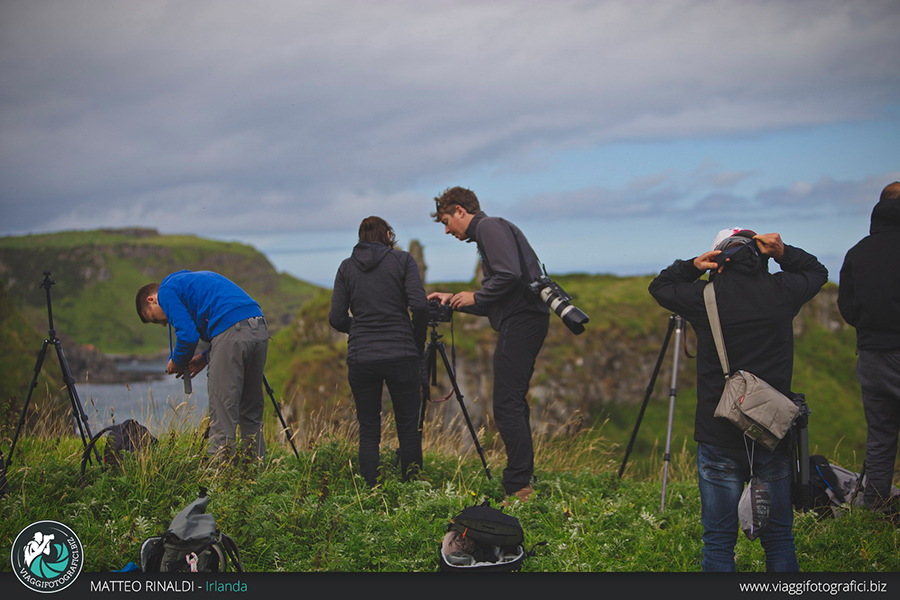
x=521, y=496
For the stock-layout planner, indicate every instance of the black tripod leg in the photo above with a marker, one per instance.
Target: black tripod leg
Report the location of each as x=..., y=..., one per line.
x=659, y=361
x=287, y=431
x=429, y=359
x=462, y=406
x=31, y=387
x=77, y=408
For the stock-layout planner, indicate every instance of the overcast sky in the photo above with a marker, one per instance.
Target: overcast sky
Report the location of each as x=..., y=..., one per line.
x=618, y=135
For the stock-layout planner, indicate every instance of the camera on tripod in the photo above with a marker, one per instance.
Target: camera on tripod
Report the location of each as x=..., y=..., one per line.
x=438, y=312
x=558, y=300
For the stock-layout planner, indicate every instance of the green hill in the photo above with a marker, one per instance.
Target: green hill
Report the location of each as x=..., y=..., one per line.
x=97, y=274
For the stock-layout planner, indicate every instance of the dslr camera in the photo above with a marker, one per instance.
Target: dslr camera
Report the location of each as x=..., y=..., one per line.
x=438, y=312
x=558, y=300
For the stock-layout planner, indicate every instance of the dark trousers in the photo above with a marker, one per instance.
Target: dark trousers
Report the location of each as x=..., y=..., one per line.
x=520, y=340
x=879, y=378
x=403, y=383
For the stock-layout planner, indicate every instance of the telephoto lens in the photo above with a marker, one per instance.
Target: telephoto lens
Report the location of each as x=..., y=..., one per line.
x=558, y=300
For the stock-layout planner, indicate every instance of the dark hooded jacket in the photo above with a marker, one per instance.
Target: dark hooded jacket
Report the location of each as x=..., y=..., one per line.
x=509, y=265
x=379, y=300
x=756, y=309
x=869, y=294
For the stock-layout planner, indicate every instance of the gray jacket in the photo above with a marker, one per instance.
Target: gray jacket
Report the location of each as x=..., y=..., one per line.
x=375, y=290
x=508, y=264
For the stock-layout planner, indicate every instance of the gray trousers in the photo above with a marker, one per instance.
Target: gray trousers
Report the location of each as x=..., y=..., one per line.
x=237, y=358
x=879, y=378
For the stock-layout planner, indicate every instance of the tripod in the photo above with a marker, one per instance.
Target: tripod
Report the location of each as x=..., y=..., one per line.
x=287, y=430
x=434, y=346
x=77, y=408
x=676, y=324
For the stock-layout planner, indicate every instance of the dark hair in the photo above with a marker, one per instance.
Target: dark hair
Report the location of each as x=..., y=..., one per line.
x=377, y=231
x=140, y=301
x=452, y=197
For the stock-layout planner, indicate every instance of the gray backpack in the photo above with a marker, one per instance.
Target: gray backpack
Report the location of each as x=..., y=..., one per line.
x=833, y=486
x=192, y=543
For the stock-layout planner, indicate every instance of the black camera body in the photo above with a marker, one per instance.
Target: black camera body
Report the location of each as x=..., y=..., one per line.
x=439, y=312
x=558, y=300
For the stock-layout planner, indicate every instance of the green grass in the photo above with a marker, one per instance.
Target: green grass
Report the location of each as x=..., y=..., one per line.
x=316, y=514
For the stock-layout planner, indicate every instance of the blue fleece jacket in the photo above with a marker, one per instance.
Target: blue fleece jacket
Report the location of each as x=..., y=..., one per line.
x=200, y=305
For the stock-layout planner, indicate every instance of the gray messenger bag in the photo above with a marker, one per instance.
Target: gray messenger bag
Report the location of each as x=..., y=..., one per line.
x=764, y=414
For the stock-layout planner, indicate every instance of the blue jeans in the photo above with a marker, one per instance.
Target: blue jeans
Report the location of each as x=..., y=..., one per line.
x=722, y=474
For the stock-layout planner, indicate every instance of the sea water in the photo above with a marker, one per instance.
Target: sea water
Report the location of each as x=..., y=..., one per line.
x=152, y=398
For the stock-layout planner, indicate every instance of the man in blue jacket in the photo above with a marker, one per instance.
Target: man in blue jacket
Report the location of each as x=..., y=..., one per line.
x=206, y=306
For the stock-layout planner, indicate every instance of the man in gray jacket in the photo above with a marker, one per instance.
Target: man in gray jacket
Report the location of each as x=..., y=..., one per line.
x=509, y=265
x=869, y=300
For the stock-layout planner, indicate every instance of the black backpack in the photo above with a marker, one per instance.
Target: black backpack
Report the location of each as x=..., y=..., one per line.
x=127, y=436
x=483, y=538
x=192, y=543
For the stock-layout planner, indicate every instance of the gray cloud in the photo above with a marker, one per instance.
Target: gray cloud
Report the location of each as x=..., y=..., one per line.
x=684, y=196
x=284, y=115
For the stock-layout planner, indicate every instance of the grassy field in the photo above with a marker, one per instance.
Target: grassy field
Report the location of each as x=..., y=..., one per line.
x=316, y=514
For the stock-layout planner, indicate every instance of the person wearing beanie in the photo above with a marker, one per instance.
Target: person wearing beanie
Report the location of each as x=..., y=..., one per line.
x=756, y=310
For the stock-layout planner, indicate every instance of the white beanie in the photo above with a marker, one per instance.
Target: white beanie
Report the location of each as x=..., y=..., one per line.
x=731, y=232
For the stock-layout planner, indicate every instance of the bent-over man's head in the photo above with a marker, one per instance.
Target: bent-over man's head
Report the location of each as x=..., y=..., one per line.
x=148, y=308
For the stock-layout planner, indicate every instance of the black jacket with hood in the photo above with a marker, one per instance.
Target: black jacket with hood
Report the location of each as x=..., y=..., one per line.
x=869, y=293
x=756, y=309
x=509, y=265
x=375, y=291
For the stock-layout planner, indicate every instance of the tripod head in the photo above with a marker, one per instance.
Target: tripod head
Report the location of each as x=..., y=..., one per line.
x=47, y=281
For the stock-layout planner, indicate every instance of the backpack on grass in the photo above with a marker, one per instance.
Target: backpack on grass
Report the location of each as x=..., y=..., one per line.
x=833, y=486
x=192, y=543
x=127, y=436
x=482, y=538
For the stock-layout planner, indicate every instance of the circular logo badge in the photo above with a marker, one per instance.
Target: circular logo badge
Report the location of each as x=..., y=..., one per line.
x=47, y=556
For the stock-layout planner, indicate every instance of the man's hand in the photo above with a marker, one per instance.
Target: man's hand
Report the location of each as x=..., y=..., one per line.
x=462, y=299
x=706, y=262
x=770, y=244
x=173, y=369
x=444, y=297
x=196, y=365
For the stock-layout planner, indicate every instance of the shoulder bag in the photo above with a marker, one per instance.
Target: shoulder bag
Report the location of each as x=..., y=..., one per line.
x=761, y=412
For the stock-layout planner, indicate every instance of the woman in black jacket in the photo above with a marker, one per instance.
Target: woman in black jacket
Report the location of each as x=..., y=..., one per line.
x=375, y=292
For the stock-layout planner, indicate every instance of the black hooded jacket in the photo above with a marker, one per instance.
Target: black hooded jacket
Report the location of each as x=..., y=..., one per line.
x=869, y=294
x=756, y=309
x=375, y=291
